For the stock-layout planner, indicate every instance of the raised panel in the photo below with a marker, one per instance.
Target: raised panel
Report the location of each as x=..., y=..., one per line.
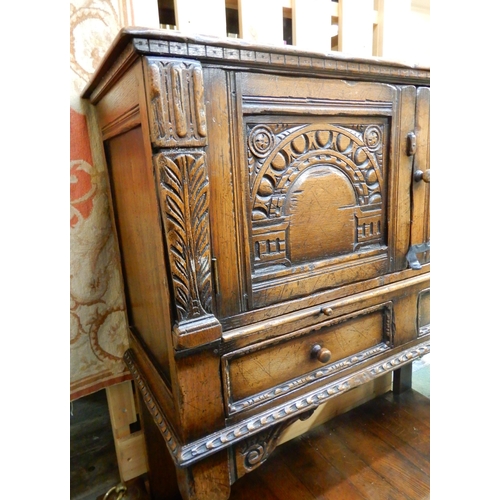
x=317, y=199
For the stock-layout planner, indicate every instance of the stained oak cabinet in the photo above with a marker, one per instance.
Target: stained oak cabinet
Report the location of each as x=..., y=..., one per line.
x=272, y=212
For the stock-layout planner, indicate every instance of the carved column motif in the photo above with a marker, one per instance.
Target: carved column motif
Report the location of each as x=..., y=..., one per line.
x=177, y=120
x=177, y=110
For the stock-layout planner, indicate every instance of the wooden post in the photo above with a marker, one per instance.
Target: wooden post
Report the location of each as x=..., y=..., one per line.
x=356, y=27
x=130, y=446
x=312, y=24
x=140, y=13
x=402, y=379
x=392, y=32
x=261, y=21
x=201, y=17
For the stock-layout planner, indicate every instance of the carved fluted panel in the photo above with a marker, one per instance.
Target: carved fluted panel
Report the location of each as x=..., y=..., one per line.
x=183, y=188
x=177, y=108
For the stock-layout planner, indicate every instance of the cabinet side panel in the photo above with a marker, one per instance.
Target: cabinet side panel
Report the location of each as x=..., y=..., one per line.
x=139, y=231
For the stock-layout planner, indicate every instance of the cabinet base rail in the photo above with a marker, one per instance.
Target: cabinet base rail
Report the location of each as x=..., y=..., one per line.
x=185, y=455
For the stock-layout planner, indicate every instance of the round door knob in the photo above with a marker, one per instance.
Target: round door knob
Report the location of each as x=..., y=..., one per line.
x=423, y=175
x=327, y=310
x=322, y=354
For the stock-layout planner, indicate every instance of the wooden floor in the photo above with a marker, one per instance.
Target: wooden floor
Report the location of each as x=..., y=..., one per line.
x=378, y=451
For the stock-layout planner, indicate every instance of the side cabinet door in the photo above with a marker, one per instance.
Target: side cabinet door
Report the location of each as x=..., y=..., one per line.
x=419, y=251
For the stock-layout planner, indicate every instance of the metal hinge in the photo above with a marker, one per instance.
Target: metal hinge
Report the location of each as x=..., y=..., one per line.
x=411, y=143
x=411, y=255
x=215, y=274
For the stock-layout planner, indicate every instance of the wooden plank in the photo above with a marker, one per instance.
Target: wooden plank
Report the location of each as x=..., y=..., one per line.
x=132, y=455
x=283, y=482
x=382, y=458
x=312, y=25
x=142, y=13
x=130, y=447
x=412, y=401
x=162, y=475
x=402, y=432
x=243, y=490
x=356, y=27
x=201, y=17
x=321, y=478
x=402, y=379
x=223, y=197
x=350, y=466
x=392, y=39
x=261, y=21
x=402, y=171
x=421, y=439
x=122, y=410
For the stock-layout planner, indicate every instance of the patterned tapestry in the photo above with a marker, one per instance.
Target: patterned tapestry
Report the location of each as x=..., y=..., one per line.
x=97, y=324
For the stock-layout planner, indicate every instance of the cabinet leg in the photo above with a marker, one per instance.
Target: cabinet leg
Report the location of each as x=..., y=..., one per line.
x=161, y=469
x=206, y=480
x=402, y=379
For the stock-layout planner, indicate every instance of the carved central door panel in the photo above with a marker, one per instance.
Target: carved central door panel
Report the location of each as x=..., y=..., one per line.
x=317, y=194
x=316, y=180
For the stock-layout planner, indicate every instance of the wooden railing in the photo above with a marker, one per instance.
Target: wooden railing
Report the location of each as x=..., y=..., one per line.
x=394, y=29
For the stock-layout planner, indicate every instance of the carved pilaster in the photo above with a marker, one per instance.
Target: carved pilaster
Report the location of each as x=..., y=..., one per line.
x=183, y=189
x=177, y=120
x=177, y=109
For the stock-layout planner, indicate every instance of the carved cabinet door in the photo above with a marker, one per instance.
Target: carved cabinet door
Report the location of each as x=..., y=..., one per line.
x=419, y=252
x=324, y=172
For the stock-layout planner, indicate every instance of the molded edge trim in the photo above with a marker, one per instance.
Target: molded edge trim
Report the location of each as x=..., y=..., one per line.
x=187, y=454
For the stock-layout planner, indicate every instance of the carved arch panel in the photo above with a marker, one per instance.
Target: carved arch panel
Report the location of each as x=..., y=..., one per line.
x=317, y=192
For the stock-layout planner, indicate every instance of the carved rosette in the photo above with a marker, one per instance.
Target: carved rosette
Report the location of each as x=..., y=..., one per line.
x=278, y=155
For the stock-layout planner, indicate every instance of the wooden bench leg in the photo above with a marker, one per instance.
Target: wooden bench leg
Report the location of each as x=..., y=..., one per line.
x=130, y=446
x=402, y=379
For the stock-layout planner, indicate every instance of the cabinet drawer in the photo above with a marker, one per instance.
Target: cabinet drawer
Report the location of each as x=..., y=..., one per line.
x=263, y=371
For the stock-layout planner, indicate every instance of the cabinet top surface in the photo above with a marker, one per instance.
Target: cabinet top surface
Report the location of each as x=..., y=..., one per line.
x=130, y=43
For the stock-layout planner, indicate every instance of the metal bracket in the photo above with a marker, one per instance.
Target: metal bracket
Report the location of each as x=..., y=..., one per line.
x=411, y=143
x=411, y=256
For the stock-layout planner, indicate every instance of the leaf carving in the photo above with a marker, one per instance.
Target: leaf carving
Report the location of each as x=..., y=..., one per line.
x=183, y=184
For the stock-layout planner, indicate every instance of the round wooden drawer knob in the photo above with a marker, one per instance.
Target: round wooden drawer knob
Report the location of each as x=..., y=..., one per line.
x=423, y=175
x=322, y=354
x=328, y=311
